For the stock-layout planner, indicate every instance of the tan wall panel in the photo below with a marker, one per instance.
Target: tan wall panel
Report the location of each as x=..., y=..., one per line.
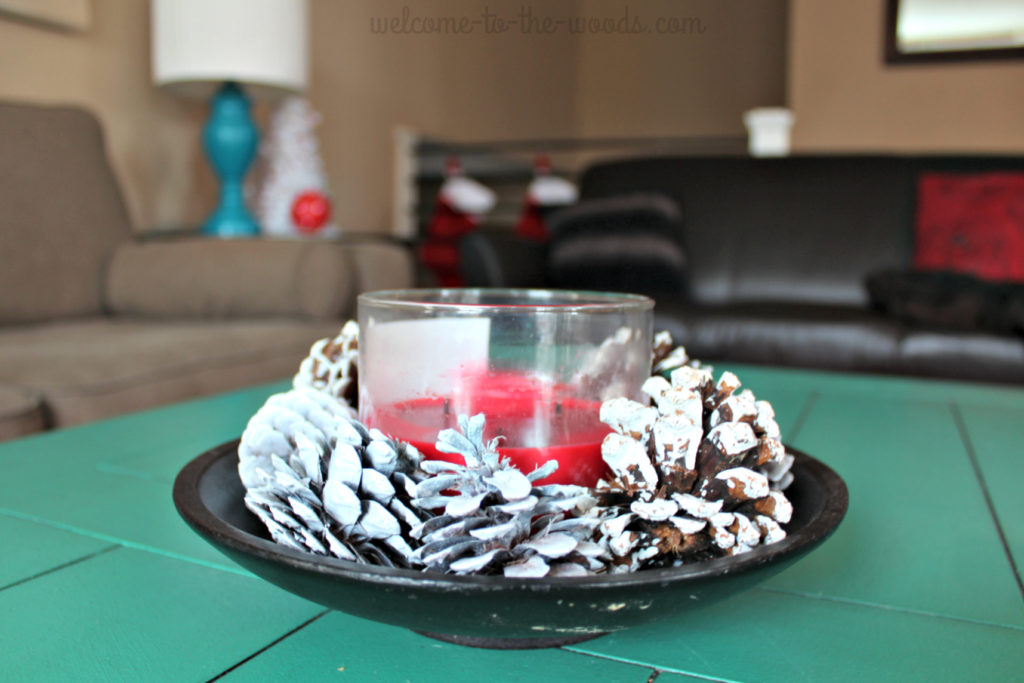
x=846, y=98
x=696, y=82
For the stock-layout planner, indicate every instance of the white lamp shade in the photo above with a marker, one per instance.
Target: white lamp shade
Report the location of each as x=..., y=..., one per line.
x=199, y=44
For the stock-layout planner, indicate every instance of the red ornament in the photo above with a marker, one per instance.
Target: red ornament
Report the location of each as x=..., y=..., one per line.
x=310, y=211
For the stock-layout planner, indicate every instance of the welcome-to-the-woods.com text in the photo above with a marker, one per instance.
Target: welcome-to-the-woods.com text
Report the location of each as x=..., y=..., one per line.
x=533, y=20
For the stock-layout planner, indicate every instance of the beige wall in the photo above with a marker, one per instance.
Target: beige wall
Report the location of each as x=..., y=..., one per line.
x=696, y=82
x=846, y=98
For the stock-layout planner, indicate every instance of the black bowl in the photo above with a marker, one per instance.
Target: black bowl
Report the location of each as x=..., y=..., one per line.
x=492, y=611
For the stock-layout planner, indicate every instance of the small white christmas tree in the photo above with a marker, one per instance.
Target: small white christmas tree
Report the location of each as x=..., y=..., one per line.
x=294, y=199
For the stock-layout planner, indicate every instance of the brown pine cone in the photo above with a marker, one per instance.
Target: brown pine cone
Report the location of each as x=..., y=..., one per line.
x=700, y=474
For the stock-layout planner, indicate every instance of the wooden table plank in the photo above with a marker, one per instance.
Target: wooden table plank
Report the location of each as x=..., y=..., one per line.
x=114, y=476
x=918, y=534
x=31, y=549
x=339, y=647
x=996, y=437
x=767, y=636
x=130, y=615
x=113, y=507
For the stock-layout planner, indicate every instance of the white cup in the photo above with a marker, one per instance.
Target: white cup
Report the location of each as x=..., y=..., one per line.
x=769, y=129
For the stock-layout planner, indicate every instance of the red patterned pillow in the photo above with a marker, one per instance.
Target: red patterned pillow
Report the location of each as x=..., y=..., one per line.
x=971, y=224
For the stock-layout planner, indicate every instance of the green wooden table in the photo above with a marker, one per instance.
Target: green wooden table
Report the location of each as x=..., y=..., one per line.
x=101, y=580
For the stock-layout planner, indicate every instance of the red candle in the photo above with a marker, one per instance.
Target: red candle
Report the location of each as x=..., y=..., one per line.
x=536, y=423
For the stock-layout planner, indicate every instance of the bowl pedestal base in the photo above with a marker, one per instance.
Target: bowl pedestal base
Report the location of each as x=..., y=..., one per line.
x=512, y=643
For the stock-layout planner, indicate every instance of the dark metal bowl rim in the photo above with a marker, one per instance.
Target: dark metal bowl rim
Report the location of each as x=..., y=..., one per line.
x=191, y=507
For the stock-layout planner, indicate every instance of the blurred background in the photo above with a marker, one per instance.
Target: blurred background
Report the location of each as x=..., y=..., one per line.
x=822, y=60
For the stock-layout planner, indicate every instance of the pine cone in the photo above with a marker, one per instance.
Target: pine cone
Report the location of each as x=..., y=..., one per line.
x=275, y=426
x=332, y=365
x=700, y=475
x=494, y=519
x=320, y=481
x=667, y=356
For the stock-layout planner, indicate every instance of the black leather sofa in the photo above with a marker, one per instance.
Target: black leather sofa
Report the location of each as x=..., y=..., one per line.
x=777, y=253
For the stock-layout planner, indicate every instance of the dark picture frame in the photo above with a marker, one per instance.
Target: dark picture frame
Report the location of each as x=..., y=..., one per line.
x=893, y=54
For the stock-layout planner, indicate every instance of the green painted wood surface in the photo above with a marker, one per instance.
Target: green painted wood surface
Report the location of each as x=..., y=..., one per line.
x=132, y=615
x=31, y=549
x=115, y=476
x=105, y=582
x=996, y=438
x=768, y=636
x=918, y=525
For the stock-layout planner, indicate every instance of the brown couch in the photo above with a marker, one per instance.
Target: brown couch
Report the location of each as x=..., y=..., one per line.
x=94, y=323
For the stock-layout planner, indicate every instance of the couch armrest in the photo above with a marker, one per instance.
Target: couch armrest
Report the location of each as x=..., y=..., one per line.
x=501, y=259
x=380, y=263
x=211, y=278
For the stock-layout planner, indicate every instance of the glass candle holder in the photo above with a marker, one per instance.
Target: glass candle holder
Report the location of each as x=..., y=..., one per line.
x=537, y=363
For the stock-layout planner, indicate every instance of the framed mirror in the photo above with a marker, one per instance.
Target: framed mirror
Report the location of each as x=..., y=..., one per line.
x=953, y=30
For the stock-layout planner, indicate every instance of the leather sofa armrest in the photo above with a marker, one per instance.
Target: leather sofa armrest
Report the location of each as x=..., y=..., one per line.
x=209, y=278
x=502, y=259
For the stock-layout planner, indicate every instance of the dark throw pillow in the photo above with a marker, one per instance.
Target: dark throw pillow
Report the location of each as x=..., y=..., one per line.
x=948, y=300
x=630, y=243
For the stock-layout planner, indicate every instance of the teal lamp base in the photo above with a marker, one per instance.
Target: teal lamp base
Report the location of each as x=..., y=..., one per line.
x=230, y=139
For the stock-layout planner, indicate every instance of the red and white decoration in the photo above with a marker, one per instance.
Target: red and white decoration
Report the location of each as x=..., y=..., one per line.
x=460, y=204
x=545, y=192
x=294, y=200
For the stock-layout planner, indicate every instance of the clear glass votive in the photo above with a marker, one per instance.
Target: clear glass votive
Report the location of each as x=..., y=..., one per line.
x=537, y=363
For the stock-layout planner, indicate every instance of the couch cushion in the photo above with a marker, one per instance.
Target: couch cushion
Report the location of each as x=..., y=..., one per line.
x=964, y=355
x=628, y=243
x=62, y=213
x=800, y=335
x=207, y=278
x=21, y=413
x=91, y=369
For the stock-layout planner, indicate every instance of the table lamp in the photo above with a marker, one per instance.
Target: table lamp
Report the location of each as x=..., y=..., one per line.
x=204, y=47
